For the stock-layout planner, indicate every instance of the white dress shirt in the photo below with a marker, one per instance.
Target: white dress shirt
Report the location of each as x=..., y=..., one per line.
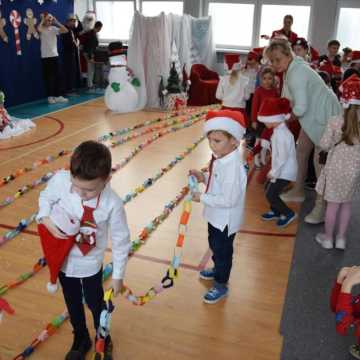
x=109, y=215
x=225, y=200
x=48, y=40
x=233, y=95
x=283, y=154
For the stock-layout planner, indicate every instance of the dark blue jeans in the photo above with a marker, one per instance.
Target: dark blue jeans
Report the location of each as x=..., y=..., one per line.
x=222, y=247
x=74, y=289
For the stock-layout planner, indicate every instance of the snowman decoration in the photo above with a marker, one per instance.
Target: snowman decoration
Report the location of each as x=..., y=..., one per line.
x=120, y=95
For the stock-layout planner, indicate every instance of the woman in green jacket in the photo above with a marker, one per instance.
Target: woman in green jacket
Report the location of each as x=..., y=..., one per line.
x=313, y=104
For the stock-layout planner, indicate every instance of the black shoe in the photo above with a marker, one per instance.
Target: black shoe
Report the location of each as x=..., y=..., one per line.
x=80, y=347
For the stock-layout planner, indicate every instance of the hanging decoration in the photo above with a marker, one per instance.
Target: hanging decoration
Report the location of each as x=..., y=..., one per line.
x=31, y=22
x=40, y=2
x=15, y=20
x=3, y=34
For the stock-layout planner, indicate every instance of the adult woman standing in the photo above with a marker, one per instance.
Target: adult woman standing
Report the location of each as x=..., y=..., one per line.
x=286, y=30
x=313, y=104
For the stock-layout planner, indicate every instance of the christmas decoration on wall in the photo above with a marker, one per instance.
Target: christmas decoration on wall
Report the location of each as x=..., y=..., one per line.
x=30, y=22
x=15, y=20
x=40, y=2
x=3, y=35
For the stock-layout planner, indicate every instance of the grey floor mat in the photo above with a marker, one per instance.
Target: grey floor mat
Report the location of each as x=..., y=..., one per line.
x=307, y=324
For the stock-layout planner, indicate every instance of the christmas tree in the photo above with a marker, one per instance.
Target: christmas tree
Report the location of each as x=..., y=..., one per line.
x=173, y=85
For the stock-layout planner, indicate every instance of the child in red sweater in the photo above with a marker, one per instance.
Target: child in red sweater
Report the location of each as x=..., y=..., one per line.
x=266, y=89
x=345, y=306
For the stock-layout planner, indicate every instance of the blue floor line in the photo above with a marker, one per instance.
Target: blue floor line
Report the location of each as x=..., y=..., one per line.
x=41, y=107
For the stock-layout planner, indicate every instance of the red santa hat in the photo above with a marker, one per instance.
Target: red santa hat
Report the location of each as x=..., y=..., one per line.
x=314, y=54
x=254, y=54
x=350, y=91
x=355, y=57
x=55, y=252
x=233, y=122
x=274, y=110
x=328, y=67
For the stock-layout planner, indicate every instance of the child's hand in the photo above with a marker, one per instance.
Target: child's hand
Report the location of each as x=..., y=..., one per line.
x=200, y=177
x=342, y=274
x=196, y=196
x=52, y=228
x=352, y=278
x=117, y=285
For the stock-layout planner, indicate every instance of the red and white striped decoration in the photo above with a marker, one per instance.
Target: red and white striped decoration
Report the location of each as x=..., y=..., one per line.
x=15, y=20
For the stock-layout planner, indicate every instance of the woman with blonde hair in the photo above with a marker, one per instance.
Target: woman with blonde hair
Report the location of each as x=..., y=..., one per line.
x=313, y=104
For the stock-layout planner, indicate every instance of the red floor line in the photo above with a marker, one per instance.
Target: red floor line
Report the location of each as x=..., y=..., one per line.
x=252, y=232
x=61, y=128
x=205, y=259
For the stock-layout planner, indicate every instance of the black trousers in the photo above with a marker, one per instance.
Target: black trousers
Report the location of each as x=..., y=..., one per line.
x=51, y=76
x=71, y=71
x=272, y=192
x=222, y=247
x=74, y=289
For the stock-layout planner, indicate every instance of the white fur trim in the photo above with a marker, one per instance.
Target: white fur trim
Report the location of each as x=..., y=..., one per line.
x=52, y=288
x=226, y=124
x=347, y=103
x=274, y=118
x=357, y=61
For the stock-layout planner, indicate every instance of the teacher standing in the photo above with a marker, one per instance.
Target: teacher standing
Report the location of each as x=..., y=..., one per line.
x=313, y=104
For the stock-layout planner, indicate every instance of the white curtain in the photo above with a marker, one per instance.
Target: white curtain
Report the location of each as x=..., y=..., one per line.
x=149, y=53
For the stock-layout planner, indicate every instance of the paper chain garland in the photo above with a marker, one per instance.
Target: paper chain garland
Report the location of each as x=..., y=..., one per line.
x=54, y=324
x=49, y=159
x=179, y=125
x=166, y=282
x=24, y=223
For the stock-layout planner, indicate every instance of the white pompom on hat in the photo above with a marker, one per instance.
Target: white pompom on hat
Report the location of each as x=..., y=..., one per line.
x=233, y=122
x=274, y=110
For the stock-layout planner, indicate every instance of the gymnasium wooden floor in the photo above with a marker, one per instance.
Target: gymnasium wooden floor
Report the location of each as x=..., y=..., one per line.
x=176, y=325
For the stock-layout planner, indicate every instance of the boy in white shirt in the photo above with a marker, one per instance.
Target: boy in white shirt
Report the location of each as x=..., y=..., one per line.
x=273, y=113
x=224, y=197
x=49, y=28
x=84, y=207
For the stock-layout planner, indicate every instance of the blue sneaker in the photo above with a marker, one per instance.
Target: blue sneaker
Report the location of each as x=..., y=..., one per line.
x=286, y=220
x=215, y=294
x=207, y=274
x=270, y=215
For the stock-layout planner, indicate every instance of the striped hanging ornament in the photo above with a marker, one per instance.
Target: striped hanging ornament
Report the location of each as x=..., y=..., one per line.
x=15, y=20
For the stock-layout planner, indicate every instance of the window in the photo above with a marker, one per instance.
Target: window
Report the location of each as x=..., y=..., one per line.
x=348, y=28
x=272, y=19
x=232, y=24
x=116, y=17
x=154, y=8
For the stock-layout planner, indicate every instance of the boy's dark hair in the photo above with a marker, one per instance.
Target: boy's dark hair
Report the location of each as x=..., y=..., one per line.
x=325, y=76
x=91, y=160
x=333, y=42
x=289, y=17
x=349, y=72
x=98, y=24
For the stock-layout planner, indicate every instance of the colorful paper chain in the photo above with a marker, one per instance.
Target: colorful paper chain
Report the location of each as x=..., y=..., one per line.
x=179, y=125
x=55, y=323
x=24, y=223
x=51, y=158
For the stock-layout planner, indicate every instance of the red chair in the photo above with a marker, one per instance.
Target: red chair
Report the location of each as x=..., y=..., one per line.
x=203, y=86
x=231, y=59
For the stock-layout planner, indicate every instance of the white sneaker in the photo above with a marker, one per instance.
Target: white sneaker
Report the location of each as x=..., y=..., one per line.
x=51, y=100
x=325, y=242
x=61, y=99
x=293, y=195
x=340, y=243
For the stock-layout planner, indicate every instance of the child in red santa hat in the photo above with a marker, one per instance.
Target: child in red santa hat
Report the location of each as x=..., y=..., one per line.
x=265, y=90
x=346, y=306
x=76, y=211
x=273, y=112
x=224, y=197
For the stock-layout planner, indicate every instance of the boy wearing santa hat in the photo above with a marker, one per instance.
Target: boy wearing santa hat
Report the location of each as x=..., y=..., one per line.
x=224, y=197
x=273, y=113
x=76, y=211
